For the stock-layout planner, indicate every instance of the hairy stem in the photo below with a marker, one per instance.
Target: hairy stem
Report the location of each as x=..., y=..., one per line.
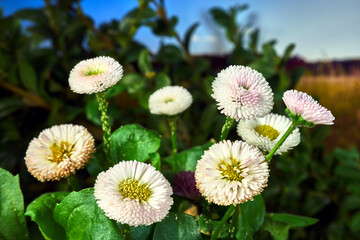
x=226, y=128
x=222, y=222
x=172, y=124
x=103, y=106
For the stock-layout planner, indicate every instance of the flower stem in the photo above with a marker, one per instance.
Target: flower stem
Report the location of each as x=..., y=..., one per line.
x=125, y=231
x=172, y=124
x=226, y=128
x=73, y=182
x=281, y=141
x=103, y=106
x=235, y=221
x=222, y=222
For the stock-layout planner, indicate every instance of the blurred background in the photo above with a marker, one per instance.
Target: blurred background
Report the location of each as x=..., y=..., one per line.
x=312, y=46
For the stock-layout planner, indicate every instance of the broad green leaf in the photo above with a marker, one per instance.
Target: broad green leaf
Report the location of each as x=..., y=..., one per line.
x=279, y=231
x=251, y=217
x=207, y=227
x=162, y=80
x=133, y=142
x=293, y=221
x=114, y=90
x=287, y=53
x=187, y=159
x=144, y=62
x=142, y=232
x=155, y=160
x=13, y=223
x=97, y=163
x=81, y=218
x=221, y=17
x=27, y=75
x=170, y=54
x=41, y=211
x=92, y=112
x=134, y=82
x=177, y=226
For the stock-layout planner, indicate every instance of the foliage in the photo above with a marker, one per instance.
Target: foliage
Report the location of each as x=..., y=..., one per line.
x=35, y=62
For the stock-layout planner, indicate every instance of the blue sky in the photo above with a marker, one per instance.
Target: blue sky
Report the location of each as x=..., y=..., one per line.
x=321, y=29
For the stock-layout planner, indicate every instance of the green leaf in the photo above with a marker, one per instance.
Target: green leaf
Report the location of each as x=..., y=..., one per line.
x=280, y=231
x=177, y=226
x=142, y=232
x=155, y=160
x=144, y=62
x=207, y=227
x=114, y=90
x=97, y=163
x=41, y=211
x=188, y=35
x=170, y=54
x=133, y=142
x=81, y=218
x=251, y=217
x=293, y=221
x=27, y=75
x=92, y=112
x=287, y=53
x=162, y=80
x=221, y=17
x=13, y=222
x=187, y=159
x=134, y=82
x=9, y=105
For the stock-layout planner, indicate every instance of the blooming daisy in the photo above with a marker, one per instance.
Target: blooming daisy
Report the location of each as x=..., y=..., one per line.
x=265, y=132
x=231, y=173
x=95, y=75
x=242, y=93
x=59, y=151
x=307, y=108
x=133, y=193
x=170, y=100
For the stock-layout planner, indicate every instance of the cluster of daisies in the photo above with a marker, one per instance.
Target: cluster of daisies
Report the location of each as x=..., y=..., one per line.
x=135, y=193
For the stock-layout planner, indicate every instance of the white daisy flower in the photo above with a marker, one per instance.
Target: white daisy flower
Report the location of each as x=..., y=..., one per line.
x=267, y=131
x=59, y=151
x=301, y=104
x=95, y=75
x=242, y=93
x=133, y=193
x=231, y=173
x=170, y=100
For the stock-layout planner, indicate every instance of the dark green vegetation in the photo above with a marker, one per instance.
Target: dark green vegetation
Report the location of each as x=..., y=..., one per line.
x=34, y=67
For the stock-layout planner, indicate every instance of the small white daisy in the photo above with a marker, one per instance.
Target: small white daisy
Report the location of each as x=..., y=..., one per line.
x=303, y=105
x=267, y=131
x=133, y=193
x=242, y=93
x=95, y=75
x=231, y=173
x=170, y=100
x=59, y=151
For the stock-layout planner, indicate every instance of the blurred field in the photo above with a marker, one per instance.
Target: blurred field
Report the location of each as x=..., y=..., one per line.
x=339, y=94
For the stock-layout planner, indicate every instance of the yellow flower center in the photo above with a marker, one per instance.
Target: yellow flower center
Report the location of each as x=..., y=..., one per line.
x=267, y=131
x=130, y=188
x=169, y=100
x=60, y=152
x=93, y=71
x=231, y=171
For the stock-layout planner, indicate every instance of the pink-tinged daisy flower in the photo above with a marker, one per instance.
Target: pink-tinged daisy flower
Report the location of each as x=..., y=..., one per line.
x=59, y=151
x=307, y=108
x=265, y=133
x=133, y=193
x=242, y=93
x=170, y=100
x=231, y=173
x=95, y=75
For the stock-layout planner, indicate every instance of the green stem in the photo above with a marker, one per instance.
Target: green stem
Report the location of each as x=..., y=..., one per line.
x=222, y=222
x=73, y=182
x=235, y=220
x=172, y=123
x=281, y=141
x=226, y=128
x=103, y=106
